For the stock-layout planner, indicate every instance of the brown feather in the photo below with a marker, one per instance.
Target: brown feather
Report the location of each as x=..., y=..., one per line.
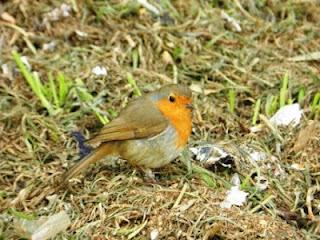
x=139, y=119
x=97, y=154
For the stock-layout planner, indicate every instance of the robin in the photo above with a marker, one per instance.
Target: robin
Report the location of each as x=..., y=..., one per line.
x=149, y=132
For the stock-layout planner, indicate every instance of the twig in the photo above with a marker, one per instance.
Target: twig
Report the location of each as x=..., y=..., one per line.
x=177, y=202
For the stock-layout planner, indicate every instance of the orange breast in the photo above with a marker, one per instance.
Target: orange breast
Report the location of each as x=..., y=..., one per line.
x=180, y=117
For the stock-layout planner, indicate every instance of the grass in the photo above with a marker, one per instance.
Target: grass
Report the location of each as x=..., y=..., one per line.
x=86, y=97
x=315, y=106
x=283, y=95
x=272, y=102
x=53, y=96
x=37, y=87
x=241, y=79
x=133, y=84
x=232, y=100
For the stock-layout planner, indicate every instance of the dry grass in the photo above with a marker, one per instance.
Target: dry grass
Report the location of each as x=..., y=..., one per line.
x=189, y=44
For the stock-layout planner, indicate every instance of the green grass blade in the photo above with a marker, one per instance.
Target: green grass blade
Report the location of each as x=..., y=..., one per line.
x=33, y=81
x=177, y=53
x=315, y=102
x=53, y=90
x=103, y=119
x=112, y=112
x=24, y=70
x=21, y=215
x=268, y=106
x=301, y=95
x=273, y=128
x=87, y=98
x=63, y=88
x=208, y=180
x=135, y=58
x=284, y=90
x=133, y=84
x=42, y=95
x=274, y=105
x=39, y=89
x=83, y=93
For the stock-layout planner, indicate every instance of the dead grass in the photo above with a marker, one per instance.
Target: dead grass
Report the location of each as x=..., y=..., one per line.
x=191, y=44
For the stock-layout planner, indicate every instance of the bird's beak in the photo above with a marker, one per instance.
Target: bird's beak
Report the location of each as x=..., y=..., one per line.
x=190, y=106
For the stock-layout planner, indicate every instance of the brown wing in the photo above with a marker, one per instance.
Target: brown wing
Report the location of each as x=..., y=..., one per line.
x=138, y=120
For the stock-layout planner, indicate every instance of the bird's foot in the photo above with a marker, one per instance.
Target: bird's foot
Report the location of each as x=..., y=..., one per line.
x=148, y=175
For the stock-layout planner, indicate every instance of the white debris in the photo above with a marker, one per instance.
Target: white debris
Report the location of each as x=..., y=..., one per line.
x=278, y=148
x=149, y=6
x=45, y=227
x=253, y=154
x=57, y=13
x=298, y=167
x=256, y=128
x=257, y=156
x=231, y=20
x=6, y=70
x=65, y=10
x=289, y=114
x=49, y=46
x=25, y=60
x=203, y=152
x=154, y=234
x=81, y=33
x=235, y=180
x=261, y=183
x=99, y=71
x=211, y=154
x=278, y=172
x=196, y=88
x=234, y=196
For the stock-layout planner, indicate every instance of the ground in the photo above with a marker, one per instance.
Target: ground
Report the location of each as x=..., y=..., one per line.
x=241, y=71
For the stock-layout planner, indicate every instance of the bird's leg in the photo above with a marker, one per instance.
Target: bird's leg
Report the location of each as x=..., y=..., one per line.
x=148, y=175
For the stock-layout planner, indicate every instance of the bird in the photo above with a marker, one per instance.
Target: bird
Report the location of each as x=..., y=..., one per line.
x=149, y=132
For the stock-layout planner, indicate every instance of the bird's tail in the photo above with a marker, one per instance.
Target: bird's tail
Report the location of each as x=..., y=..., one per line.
x=94, y=156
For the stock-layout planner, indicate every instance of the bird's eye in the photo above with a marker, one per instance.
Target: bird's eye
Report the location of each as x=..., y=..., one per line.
x=172, y=98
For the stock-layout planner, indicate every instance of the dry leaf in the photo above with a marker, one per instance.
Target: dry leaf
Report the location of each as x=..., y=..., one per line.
x=305, y=135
